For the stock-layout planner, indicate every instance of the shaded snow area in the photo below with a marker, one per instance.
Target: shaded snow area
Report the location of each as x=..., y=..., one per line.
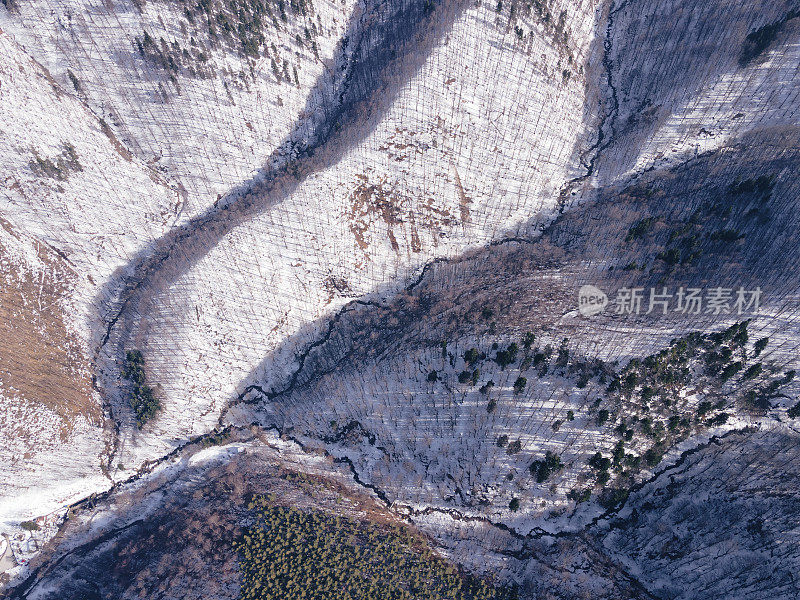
x=346, y=239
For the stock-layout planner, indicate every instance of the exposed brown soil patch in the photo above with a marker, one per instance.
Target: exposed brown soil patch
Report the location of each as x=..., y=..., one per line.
x=402, y=217
x=41, y=361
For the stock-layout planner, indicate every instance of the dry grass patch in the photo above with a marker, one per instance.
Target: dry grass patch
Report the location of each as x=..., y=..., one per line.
x=41, y=361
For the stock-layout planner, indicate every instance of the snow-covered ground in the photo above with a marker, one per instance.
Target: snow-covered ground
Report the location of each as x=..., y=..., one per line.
x=215, y=209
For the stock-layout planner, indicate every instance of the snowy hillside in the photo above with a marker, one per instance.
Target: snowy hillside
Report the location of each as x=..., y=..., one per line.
x=355, y=232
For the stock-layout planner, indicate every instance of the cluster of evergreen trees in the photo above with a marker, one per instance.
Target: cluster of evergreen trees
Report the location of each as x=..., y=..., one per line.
x=143, y=398
x=299, y=554
x=654, y=385
x=646, y=401
x=542, y=469
x=240, y=25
